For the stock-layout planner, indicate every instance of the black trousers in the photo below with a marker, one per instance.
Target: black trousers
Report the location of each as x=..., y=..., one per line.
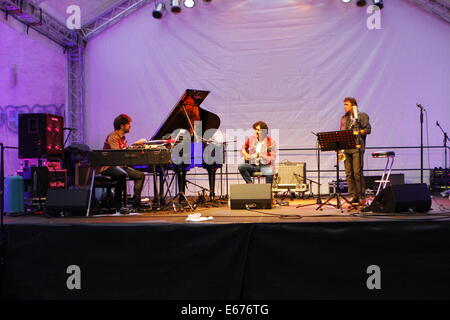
x=120, y=175
x=354, y=164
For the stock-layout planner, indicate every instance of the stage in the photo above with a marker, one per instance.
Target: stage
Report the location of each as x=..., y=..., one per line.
x=284, y=253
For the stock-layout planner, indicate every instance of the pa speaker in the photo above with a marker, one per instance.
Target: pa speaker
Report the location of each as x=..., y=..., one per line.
x=402, y=198
x=40, y=135
x=251, y=196
x=67, y=202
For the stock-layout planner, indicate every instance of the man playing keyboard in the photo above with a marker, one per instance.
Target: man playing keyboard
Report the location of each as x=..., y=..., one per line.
x=117, y=140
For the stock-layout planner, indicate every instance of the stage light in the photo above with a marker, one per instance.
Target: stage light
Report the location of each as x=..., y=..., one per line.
x=189, y=3
x=361, y=3
x=346, y=1
x=379, y=3
x=159, y=10
x=175, y=6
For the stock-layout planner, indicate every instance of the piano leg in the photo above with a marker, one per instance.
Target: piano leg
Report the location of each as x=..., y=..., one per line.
x=158, y=185
x=181, y=176
x=156, y=192
x=212, y=181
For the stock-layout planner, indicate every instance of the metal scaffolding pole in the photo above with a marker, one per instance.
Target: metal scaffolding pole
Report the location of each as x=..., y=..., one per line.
x=111, y=17
x=36, y=19
x=75, y=108
x=73, y=44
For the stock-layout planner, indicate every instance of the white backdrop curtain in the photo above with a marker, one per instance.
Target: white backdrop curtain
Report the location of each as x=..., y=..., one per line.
x=289, y=63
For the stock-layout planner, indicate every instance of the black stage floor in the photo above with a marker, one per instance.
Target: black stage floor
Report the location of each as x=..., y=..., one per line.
x=284, y=253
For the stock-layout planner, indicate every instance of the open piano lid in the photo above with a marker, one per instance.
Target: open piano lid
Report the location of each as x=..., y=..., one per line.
x=186, y=112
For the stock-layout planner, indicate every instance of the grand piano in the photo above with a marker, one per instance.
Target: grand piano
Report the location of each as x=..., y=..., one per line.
x=187, y=115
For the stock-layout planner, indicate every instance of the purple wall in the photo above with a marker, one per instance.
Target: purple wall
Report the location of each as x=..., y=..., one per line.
x=32, y=79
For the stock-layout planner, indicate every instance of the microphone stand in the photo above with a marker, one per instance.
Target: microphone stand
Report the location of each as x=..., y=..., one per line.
x=421, y=141
x=445, y=143
x=2, y=204
x=225, y=146
x=2, y=186
x=319, y=197
x=68, y=135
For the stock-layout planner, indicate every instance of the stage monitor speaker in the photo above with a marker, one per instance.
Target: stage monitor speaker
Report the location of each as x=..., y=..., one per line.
x=41, y=135
x=251, y=196
x=402, y=198
x=67, y=202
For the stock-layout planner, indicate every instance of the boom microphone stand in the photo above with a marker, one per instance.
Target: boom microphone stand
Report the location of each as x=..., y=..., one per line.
x=319, y=199
x=446, y=139
x=422, y=109
x=2, y=185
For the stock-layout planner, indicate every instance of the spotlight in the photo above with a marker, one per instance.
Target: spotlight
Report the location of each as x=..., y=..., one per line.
x=159, y=10
x=175, y=6
x=189, y=3
x=346, y=1
x=379, y=3
x=361, y=3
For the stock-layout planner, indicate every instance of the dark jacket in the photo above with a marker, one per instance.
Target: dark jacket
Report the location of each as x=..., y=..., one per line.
x=363, y=123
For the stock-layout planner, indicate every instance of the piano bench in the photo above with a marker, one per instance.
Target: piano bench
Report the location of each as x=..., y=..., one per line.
x=105, y=182
x=101, y=181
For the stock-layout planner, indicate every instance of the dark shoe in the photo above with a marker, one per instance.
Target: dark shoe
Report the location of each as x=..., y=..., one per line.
x=122, y=210
x=354, y=200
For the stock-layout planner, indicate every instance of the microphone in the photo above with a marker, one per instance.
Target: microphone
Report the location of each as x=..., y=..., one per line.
x=437, y=123
x=71, y=129
x=420, y=106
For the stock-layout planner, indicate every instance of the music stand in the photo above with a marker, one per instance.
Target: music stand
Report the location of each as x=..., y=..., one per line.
x=335, y=141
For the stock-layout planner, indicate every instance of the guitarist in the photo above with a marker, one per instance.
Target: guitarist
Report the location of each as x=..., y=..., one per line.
x=259, y=152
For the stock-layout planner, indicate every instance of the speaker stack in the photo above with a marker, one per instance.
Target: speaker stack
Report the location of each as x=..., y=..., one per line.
x=41, y=147
x=41, y=136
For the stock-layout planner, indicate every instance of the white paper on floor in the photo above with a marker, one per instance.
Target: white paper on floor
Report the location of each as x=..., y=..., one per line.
x=197, y=217
x=118, y=215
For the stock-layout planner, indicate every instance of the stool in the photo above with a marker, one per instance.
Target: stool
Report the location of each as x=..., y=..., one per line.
x=258, y=175
x=104, y=182
x=390, y=155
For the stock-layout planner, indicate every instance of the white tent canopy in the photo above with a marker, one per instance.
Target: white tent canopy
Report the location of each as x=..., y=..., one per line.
x=93, y=8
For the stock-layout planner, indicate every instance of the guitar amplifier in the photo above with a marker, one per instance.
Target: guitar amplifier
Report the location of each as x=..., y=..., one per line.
x=440, y=179
x=250, y=196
